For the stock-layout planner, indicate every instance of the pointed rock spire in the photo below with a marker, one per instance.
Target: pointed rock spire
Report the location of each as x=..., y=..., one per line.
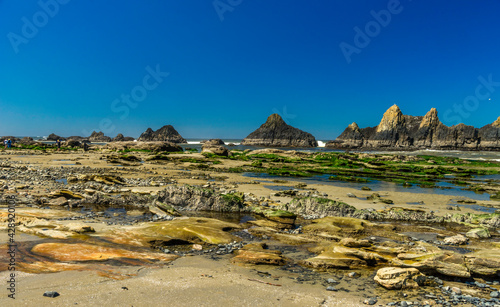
x=430, y=119
x=354, y=126
x=496, y=123
x=392, y=118
x=275, y=132
x=274, y=120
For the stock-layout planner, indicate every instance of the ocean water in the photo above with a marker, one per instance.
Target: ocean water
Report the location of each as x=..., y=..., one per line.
x=469, y=155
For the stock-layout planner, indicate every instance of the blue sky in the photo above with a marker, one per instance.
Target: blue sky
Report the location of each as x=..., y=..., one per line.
x=222, y=69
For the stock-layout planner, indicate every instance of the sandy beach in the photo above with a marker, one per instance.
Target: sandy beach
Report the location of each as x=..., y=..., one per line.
x=194, y=279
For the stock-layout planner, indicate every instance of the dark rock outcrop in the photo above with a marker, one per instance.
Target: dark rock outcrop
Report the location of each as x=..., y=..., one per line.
x=398, y=131
x=27, y=141
x=77, y=138
x=73, y=143
x=149, y=146
x=275, y=132
x=164, y=134
x=99, y=137
x=197, y=199
x=120, y=138
x=213, y=142
x=55, y=137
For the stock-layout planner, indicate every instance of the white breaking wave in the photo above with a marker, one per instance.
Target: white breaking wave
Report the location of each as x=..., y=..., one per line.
x=321, y=144
x=197, y=142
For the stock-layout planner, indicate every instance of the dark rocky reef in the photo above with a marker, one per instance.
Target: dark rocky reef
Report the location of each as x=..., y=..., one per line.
x=99, y=137
x=164, y=134
x=146, y=146
x=120, y=138
x=404, y=132
x=276, y=133
x=55, y=137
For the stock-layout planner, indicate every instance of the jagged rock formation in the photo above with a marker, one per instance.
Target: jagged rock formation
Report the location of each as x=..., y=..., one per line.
x=99, y=137
x=120, y=138
x=164, y=134
x=398, y=131
x=275, y=132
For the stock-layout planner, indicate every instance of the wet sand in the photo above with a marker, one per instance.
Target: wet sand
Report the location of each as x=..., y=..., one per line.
x=188, y=281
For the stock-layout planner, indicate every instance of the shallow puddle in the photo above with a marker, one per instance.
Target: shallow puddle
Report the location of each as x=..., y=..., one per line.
x=442, y=187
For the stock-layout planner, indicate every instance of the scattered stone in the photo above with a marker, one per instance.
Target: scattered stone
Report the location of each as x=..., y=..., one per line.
x=456, y=290
x=495, y=294
x=51, y=294
x=331, y=281
x=351, y=195
x=370, y=301
x=330, y=288
x=353, y=274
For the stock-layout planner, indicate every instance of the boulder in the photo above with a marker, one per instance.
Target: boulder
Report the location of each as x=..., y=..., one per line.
x=213, y=142
x=73, y=143
x=478, y=233
x=456, y=240
x=276, y=133
x=216, y=150
x=393, y=278
x=164, y=134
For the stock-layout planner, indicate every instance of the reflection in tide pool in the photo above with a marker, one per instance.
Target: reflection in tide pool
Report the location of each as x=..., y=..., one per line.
x=378, y=185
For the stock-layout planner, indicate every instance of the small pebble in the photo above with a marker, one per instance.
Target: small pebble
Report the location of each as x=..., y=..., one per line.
x=331, y=281
x=370, y=301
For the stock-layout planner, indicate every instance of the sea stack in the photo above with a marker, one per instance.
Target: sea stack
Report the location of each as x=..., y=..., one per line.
x=406, y=132
x=164, y=134
x=276, y=133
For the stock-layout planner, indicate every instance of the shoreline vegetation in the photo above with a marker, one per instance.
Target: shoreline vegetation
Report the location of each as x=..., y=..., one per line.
x=127, y=205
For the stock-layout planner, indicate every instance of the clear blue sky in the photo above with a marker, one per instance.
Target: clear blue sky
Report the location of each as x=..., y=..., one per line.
x=226, y=76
